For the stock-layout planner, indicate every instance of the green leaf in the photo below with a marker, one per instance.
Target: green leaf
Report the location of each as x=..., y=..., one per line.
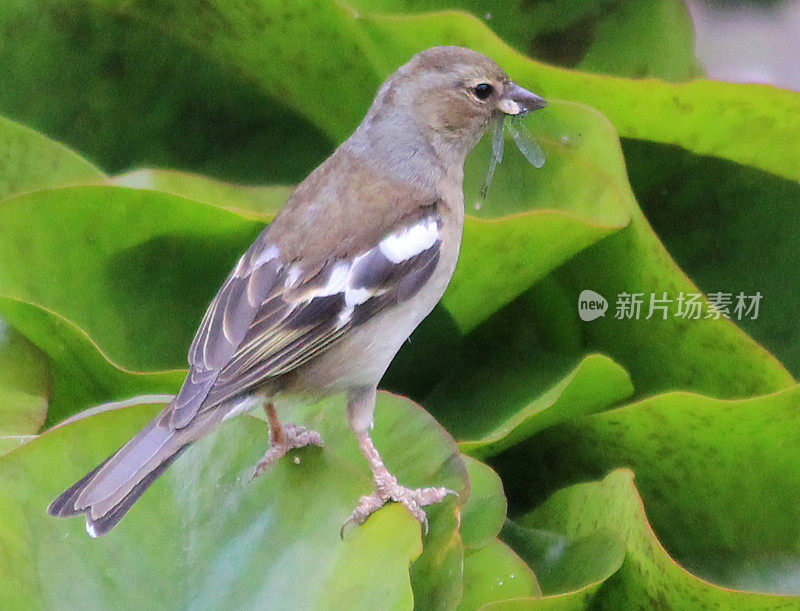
x=768, y=572
x=509, y=399
x=82, y=376
x=25, y=386
x=661, y=353
x=437, y=576
x=483, y=515
x=9, y=442
x=494, y=572
x=137, y=254
x=716, y=217
x=641, y=40
x=205, y=534
x=261, y=202
x=31, y=161
x=129, y=94
x=564, y=565
x=718, y=478
x=654, y=39
x=519, y=361
x=647, y=574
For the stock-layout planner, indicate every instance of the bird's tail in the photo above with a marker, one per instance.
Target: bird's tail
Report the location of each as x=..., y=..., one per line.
x=106, y=493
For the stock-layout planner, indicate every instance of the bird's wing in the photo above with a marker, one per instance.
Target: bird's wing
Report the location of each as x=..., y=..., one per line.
x=270, y=317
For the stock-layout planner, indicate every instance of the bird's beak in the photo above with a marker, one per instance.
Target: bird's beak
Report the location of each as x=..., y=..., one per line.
x=517, y=101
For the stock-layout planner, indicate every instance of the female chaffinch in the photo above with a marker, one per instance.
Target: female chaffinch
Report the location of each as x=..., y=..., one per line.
x=323, y=299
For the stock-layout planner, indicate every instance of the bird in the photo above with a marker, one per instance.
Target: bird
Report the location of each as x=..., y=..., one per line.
x=326, y=295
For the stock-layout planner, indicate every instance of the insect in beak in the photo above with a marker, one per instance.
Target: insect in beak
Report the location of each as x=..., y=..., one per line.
x=518, y=101
x=515, y=103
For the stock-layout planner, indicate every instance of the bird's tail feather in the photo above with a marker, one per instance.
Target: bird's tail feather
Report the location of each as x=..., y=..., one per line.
x=109, y=490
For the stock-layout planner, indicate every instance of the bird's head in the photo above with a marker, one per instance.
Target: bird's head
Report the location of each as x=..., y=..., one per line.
x=441, y=102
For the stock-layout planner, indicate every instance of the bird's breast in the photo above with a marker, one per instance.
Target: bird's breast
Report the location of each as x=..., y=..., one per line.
x=363, y=355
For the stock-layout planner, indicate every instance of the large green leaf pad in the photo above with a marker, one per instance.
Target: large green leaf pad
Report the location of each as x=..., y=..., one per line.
x=207, y=534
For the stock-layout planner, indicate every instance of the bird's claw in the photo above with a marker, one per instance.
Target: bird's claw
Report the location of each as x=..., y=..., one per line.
x=413, y=499
x=293, y=436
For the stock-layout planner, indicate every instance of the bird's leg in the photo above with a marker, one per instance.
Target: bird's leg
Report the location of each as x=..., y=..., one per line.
x=282, y=438
x=360, y=408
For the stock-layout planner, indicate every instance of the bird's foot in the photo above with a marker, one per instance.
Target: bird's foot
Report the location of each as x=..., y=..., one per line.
x=388, y=489
x=291, y=436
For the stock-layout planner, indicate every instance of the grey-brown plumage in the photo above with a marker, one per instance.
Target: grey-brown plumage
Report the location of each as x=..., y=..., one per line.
x=325, y=296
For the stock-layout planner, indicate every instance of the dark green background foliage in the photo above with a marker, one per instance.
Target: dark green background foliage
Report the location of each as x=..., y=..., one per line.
x=634, y=463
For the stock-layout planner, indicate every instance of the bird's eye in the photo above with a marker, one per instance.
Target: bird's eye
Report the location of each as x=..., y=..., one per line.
x=483, y=91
